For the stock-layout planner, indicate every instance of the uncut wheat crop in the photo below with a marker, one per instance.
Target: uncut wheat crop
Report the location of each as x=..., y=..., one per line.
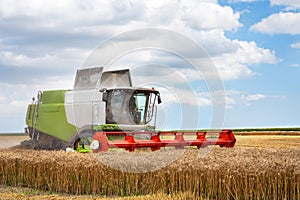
x=219, y=173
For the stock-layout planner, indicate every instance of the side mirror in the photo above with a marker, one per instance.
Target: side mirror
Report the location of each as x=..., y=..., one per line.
x=159, y=100
x=104, y=96
x=102, y=90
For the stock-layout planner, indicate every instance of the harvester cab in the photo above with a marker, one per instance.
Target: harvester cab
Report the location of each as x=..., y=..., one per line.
x=108, y=101
x=131, y=106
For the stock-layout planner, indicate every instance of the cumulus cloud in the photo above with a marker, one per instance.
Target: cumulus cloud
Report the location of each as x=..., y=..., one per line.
x=20, y=60
x=295, y=45
x=232, y=58
x=18, y=68
x=98, y=12
x=172, y=95
x=46, y=23
x=234, y=98
x=106, y=18
x=235, y=65
x=204, y=99
x=294, y=65
x=248, y=99
x=199, y=17
x=13, y=107
x=253, y=97
x=290, y=4
x=2, y=98
x=283, y=22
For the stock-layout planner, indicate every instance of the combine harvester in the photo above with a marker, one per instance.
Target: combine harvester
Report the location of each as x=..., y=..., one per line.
x=105, y=111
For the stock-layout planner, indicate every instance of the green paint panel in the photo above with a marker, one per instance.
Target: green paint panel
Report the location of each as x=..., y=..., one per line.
x=52, y=121
x=29, y=115
x=106, y=127
x=53, y=96
x=51, y=116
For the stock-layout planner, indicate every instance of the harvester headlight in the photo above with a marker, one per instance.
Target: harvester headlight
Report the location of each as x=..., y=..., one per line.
x=95, y=144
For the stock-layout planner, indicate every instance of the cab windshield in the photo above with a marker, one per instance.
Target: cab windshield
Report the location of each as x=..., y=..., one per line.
x=130, y=107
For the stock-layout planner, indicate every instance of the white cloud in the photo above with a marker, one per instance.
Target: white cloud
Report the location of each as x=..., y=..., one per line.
x=235, y=98
x=251, y=54
x=105, y=16
x=295, y=45
x=230, y=102
x=233, y=58
x=290, y=4
x=2, y=98
x=214, y=42
x=20, y=60
x=248, y=99
x=203, y=21
x=14, y=98
x=13, y=107
x=235, y=65
x=232, y=98
x=253, y=97
x=173, y=95
x=62, y=58
x=68, y=10
x=200, y=17
x=204, y=15
x=283, y=22
x=294, y=65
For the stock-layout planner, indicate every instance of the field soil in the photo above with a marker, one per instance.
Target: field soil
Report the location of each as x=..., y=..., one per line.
x=268, y=141
x=7, y=141
x=266, y=132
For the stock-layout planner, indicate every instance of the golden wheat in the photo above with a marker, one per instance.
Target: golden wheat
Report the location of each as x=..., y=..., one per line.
x=237, y=173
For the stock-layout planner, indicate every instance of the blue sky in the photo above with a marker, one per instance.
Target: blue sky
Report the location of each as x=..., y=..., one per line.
x=254, y=45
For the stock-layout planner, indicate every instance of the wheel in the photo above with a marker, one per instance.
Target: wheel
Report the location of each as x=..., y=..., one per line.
x=83, y=141
x=102, y=142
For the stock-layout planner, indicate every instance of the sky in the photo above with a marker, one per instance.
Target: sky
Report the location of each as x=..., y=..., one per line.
x=253, y=45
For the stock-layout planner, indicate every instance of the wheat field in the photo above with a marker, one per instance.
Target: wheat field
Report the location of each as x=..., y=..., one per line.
x=248, y=171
